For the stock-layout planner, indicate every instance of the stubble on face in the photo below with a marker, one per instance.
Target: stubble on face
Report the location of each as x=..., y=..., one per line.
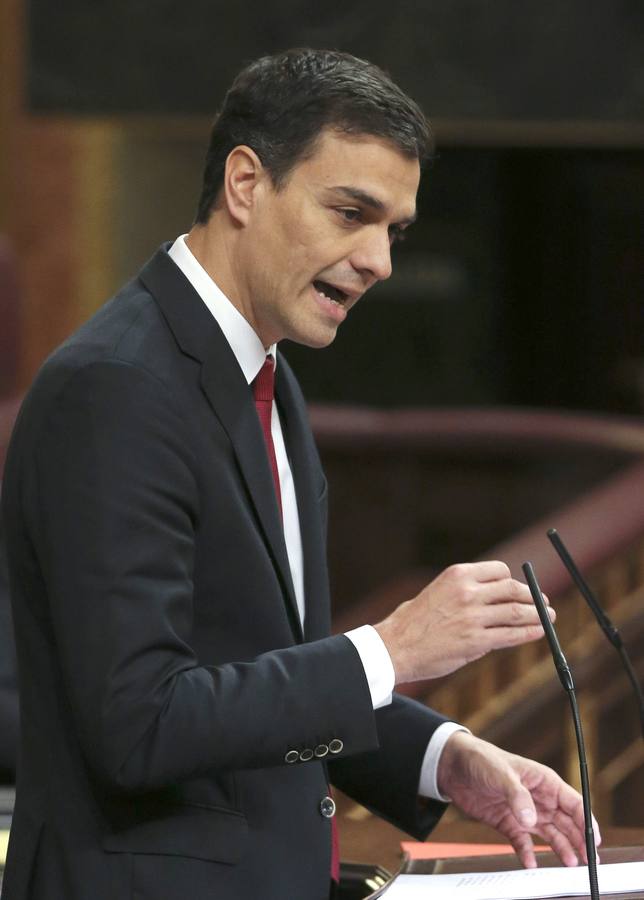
x=295, y=260
x=314, y=246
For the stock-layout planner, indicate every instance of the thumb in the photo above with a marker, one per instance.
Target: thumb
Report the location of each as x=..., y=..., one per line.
x=521, y=804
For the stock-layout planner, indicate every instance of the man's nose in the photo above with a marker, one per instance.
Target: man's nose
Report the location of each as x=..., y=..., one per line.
x=373, y=256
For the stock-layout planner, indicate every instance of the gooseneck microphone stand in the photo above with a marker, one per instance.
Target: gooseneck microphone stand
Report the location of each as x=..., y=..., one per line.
x=565, y=676
x=605, y=623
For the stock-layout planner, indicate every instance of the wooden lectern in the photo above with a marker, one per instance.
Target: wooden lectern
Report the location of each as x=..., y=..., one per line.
x=619, y=845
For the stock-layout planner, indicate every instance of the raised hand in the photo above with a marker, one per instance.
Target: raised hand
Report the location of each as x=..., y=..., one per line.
x=468, y=610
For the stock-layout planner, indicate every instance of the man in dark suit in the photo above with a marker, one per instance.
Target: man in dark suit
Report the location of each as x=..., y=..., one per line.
x=8, y=678
x=183, y=705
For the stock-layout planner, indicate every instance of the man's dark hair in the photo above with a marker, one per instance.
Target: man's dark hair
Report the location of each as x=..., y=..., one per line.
x=279, y=105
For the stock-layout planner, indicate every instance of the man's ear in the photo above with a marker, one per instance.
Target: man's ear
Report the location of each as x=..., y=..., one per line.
x=244, y=172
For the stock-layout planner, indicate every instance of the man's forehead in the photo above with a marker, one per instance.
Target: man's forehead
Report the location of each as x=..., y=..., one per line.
x=366, y=169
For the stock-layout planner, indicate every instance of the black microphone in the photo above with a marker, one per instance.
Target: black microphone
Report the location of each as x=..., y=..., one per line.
x=605, y=623
x=565, y=676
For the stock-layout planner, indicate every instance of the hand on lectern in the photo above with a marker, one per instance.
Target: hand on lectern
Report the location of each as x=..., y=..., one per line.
x=517, y=796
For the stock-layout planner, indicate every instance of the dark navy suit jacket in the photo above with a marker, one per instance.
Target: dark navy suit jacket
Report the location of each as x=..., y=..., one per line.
x=163, y=673
x=8, y=678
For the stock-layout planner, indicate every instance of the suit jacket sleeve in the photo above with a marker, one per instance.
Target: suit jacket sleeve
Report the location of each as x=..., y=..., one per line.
x=8, y=677
x=385, y=779
x=115, y=500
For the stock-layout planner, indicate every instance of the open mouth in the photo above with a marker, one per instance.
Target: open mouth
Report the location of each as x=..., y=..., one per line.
x=330, y=292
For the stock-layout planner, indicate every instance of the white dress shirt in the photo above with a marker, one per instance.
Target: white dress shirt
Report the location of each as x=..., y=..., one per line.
x=250, y=354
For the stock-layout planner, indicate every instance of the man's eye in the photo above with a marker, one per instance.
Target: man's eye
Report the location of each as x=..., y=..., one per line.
x=350, y=215
x=396, y=235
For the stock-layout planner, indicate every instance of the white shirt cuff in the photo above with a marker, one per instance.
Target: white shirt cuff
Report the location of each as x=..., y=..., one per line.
x=376, y=663
x=428, y=785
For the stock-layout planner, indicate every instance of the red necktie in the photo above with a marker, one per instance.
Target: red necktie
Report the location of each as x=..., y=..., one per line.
x=263, y=392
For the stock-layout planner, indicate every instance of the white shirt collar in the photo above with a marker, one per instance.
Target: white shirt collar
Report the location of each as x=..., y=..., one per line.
x=244, y=341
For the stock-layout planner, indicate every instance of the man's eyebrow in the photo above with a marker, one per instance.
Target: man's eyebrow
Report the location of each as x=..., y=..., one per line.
x=369, y=200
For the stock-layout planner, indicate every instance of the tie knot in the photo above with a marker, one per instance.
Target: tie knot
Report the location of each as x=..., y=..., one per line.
x=264, y=382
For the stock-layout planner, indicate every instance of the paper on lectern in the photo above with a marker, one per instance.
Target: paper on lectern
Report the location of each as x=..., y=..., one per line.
x=520, y=884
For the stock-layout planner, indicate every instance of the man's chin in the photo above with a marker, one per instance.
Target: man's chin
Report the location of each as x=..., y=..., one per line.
x=316, y=340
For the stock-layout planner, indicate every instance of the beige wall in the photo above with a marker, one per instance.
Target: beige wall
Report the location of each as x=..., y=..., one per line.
x=83, y=201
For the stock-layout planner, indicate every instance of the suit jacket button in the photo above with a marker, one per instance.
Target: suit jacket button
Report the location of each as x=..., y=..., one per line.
x=292, y=756
x=306, y=755
x=336, y=746
x=327, y=807
x=321, y=750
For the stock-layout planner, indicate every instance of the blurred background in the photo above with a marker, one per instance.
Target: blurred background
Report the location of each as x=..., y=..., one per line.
x=521, y=283
x=492, y=387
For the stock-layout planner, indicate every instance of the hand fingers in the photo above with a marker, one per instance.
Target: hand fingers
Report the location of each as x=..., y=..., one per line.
x=524, y=848
x=571, y=830
x=523, y=811
x=521, y=803
x=498, y=637
x=565, y=831
x=598, y=837
x=568, y=850
x=571, y=803
x=575, y=832
x=560, y=844
x=487, y=570
x=507, y=590
x=569, y=817
x=511, y=615
x=497, y=577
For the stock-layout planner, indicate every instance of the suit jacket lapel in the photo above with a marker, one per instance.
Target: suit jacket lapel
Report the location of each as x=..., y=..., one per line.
x=304, y=464
x=232, y=400
x=223, y=383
